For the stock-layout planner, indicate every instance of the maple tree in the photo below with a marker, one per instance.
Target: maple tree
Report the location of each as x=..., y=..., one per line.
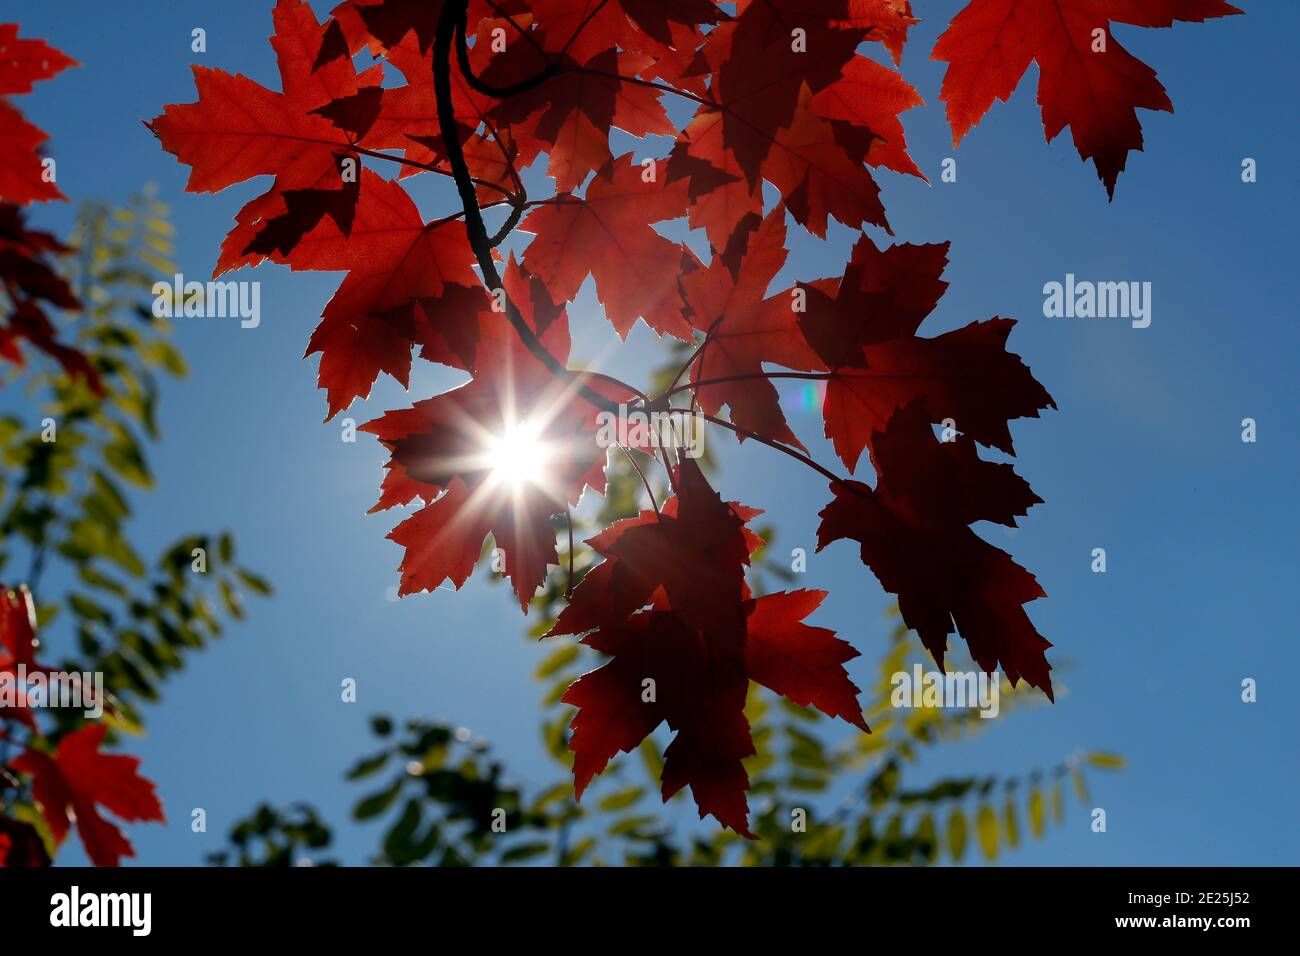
x=782, y=93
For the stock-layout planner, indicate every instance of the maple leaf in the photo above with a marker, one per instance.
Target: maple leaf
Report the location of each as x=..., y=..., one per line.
x=1092, y=85
x=762, y=61
x=872, y=96
x=304, y=209
x=78, y=780
x=443, y=452
x=26, y=261
x=408, y=120
x=864, y=331
x=389, y=21
x=573, y=111
x=745, y=330
x=803, y=664
x=239, y=130
x=887, y=20
x=24, y=62
x=17, y=630
x=408, y=115
x=701, y=642
x=694, y=549
x=699, y=690
x=409, y=282
x=657, y=17
x=820, y=168
x=723, y=202
x=796, y=119
x=915, y=536
x=606, y=233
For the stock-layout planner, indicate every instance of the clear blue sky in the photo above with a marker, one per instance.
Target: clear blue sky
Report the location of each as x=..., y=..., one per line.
x=1144, y=457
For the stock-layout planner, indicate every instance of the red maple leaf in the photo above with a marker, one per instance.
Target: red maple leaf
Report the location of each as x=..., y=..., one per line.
x=746, y=329
x=914, y=529
x=688, y=659
x=450, y=451
x=887, y=20
x=606, y=233
x=22, y=63
x=78, y=780
x=1087, y=81
x=763, y=60
x=239, y=130
x=864, y=331
x=408, y=119
x=790, y=102
x=409, y=283
x=28, y=274
x=575, y=109
x=872, y=96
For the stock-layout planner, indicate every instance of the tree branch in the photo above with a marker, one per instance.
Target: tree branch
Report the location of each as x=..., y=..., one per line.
x=451, y=20
x=508, y=226
x=487, y=89
x=402, y=160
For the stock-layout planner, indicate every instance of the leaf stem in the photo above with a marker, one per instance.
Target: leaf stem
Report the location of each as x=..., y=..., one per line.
x=785, y=449
x=810, y=376
x=568, y=517
x=637, y=468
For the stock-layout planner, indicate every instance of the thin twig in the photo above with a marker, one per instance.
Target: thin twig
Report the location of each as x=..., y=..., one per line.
x=785, y=449
x=808, y=376
x=526, y=34
x=583, y=25
x=487, y=89
x=508, y=226
x=637, y=468
x=699, y=349
x=416, y=164
x=568, y=515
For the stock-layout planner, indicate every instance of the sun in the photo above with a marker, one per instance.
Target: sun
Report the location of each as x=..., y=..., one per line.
x=518, y=456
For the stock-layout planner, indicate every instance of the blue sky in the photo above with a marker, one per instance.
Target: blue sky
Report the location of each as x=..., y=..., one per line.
x=1144, y=457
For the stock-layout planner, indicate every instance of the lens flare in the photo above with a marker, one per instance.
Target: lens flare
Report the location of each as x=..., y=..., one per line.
x=518, y=456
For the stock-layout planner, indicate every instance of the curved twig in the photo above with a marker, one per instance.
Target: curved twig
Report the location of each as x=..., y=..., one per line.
x=451, y=20
x=487, y=89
